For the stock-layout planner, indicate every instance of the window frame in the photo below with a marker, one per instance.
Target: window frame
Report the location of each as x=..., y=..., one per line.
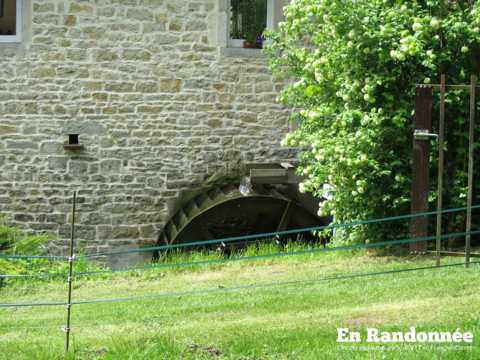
x=17, y=38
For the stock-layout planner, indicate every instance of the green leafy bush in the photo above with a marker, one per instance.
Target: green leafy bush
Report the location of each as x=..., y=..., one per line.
x=352, y=67
x=14, y=242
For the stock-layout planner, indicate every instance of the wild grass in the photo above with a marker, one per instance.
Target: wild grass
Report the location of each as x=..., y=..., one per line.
x=286, y=308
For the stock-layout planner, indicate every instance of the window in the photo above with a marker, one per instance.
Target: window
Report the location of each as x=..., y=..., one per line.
x=10, y=21
x=246, y=20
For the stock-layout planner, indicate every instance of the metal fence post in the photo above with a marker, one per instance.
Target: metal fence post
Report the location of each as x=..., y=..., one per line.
x=70, y=275
x=441, y=156
x=471, y=143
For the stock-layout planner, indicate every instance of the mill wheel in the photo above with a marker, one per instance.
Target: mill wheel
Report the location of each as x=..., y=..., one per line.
x=223, y=212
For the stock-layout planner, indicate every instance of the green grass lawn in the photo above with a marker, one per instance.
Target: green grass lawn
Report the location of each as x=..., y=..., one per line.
x=296, y=318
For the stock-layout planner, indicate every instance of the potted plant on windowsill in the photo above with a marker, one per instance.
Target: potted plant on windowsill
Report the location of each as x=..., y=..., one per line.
x=253, y=44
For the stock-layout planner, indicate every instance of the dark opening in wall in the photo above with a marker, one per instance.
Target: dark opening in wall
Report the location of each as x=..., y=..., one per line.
x=73, y=139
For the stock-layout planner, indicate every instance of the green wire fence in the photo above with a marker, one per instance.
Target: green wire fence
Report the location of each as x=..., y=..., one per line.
x=248, y=237
x=278, y=233
x=71, y=276
x=252, y=257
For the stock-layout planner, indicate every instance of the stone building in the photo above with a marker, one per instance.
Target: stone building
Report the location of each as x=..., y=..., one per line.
x=160, y=99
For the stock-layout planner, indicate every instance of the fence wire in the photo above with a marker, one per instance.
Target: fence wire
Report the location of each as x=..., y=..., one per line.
x=229, y=289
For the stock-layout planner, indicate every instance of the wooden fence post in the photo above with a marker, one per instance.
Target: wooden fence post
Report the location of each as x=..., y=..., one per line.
x=420, y=176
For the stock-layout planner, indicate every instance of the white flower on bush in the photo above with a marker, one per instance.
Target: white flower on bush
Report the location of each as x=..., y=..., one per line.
x=319, y=156
x=431, y=54
x=417, y=26
x=361, y=184
x=435, y=23
x=327, y=191
x=305, y=186
x=301, y=188
x=323, y=208
x=365, y=120
x=320, y=211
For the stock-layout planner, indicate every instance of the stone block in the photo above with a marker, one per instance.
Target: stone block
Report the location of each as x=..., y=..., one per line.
x=80, y=7
x=7, y=130
x=136, y=54
x=140, y=15
x=92, y=128
x=147, y=86
x=119, y=87
x=58, y=163
x=175, y=26
x=170, y=85
x=23, y=218
x=104, y=232
x=43, y=72
x=110, y=166
x=70, y=20
x=51, y=148
x=148, y=232
x=196, y=25
x=125, y=232
x=105, y=55
x=22, y=145
x=100, y=97
x=77, y=168
x=248, y=117
x=42, y=8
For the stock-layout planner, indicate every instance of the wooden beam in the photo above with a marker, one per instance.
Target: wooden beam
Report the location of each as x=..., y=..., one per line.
x=268, y=176
x=285, y=220
x=274, y=176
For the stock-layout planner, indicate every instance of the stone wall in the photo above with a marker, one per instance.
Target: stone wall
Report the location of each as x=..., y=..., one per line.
x=158, y=106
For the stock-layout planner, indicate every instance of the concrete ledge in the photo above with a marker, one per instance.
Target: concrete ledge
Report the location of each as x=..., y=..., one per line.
x=242, y=53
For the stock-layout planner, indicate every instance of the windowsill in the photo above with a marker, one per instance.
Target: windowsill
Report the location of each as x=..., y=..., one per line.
x=9, y=39
x=241, y=52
